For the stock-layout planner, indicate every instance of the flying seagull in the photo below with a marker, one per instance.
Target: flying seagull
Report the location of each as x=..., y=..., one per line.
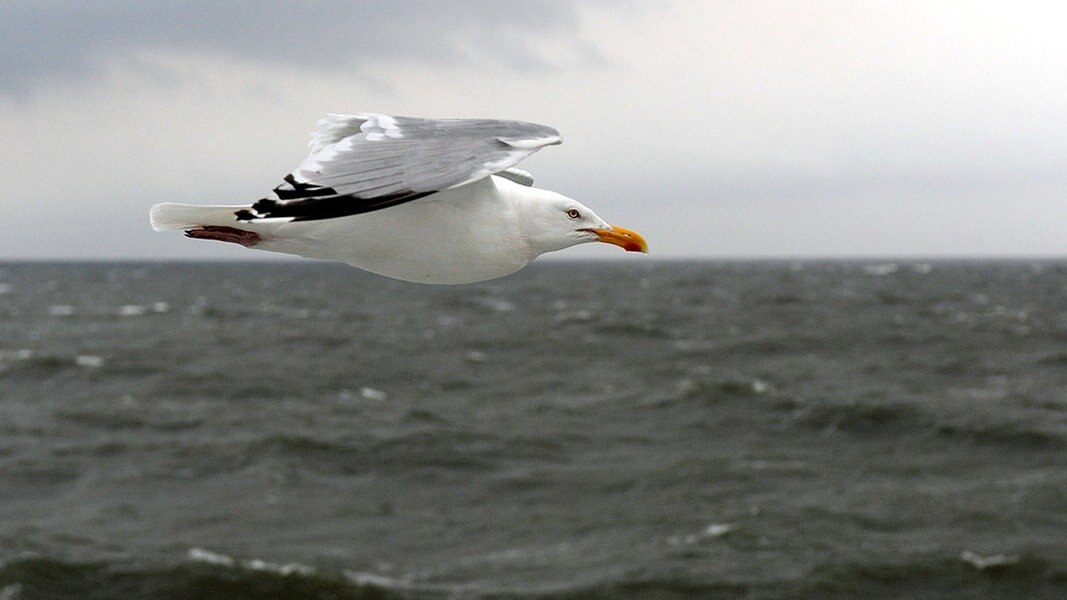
x=423, y=200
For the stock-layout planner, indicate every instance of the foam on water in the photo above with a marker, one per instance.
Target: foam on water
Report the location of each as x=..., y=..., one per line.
x=719, y=529
x=715, y=530
x=369, y=393
x=132, y=310
x=214, y=558
x=90, y=361
x=211, y=558
x=61, y=310
x=983, y=563
x=14, y=355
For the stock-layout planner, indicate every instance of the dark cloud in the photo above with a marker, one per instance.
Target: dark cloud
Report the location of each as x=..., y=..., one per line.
x=47, y=39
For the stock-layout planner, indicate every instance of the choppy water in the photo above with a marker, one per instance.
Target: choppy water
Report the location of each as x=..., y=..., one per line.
x=631, y=429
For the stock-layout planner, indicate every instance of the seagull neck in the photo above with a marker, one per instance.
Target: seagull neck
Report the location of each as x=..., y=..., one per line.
x=523, y=200
x=538, y=218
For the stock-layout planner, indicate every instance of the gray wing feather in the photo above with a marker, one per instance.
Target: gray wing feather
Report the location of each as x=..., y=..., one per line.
x=519, y=176
x=365, y=162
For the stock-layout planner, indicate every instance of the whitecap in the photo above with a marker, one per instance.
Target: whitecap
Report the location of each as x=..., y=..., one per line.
x=682, y=540
x=286, y=569
x=90, y=361
x=987, y=562
x=255, y=564
x=369, y=393
x=761, y=387
x=61, y=310
x=5, y=288
x=211, y=558
x=477, y=356
x=12, y=355
x=714, y=530
x=719, y=529
x=160, y=307
x=360, y=578
x=132, y=310
x=11, y=592
x=577, y=316
x=497, y=304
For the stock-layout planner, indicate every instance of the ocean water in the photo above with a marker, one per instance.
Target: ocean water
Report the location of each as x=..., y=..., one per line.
x=631, y=429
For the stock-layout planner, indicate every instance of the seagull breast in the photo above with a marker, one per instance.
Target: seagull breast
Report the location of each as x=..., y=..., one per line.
x=462, y=235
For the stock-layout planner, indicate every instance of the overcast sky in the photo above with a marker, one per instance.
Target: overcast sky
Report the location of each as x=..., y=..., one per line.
x=719, y=128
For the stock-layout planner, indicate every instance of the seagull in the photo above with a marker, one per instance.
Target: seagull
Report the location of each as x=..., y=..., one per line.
x=436, y=201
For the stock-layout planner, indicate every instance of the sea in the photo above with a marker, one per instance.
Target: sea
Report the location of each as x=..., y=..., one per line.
x=630, y=429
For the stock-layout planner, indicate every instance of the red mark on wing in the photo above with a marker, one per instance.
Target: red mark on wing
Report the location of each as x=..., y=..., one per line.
x=224, y=234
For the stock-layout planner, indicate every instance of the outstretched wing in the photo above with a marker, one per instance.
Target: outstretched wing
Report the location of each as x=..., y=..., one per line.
x=366, y=162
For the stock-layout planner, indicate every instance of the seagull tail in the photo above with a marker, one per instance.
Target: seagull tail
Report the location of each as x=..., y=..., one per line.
x=174, y=215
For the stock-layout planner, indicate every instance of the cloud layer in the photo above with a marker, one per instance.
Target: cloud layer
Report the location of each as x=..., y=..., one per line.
x=716, y=129
x=44, y=40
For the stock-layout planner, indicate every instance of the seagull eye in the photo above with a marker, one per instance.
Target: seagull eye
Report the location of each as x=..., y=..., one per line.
x=573, y=213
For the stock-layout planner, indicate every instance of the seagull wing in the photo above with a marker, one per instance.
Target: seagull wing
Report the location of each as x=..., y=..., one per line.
x=518, y=176
x=366, y=162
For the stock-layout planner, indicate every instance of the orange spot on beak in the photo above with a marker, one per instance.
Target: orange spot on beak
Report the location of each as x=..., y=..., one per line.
x=628, y=240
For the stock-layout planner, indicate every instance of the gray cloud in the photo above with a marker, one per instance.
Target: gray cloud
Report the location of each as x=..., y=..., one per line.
x=725, y=128
x=42, y=40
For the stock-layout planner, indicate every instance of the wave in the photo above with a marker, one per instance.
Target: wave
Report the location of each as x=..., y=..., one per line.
x=30, y=364
x=126, y=417
x=430, y=449
x=634, y=328
x=904, y=419
x=25, y=362
x=1008, y=435
x=50, y=578
x=885, y=419
x=1022, y=576
x=713, y=391
x=210, y=575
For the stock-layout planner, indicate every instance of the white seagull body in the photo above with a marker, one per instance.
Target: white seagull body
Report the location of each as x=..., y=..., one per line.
x=422, y=200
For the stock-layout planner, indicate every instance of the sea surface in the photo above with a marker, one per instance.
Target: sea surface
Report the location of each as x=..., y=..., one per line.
x=630, y=429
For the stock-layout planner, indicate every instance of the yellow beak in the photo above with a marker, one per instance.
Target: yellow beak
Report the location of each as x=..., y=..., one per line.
x=630, y=241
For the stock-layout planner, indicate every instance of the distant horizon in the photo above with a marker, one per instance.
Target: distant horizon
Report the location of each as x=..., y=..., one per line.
x=563, y=259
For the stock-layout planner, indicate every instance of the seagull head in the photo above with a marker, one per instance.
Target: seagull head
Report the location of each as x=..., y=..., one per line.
x=553, y=222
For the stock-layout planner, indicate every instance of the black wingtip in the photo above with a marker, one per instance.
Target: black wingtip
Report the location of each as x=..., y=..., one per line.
x=314, y=209
x=297, y=190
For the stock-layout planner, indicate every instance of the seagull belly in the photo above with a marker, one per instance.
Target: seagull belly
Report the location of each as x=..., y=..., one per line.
x=462, y=235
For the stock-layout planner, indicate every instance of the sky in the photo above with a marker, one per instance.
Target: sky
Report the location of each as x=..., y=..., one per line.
x=722, y=129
